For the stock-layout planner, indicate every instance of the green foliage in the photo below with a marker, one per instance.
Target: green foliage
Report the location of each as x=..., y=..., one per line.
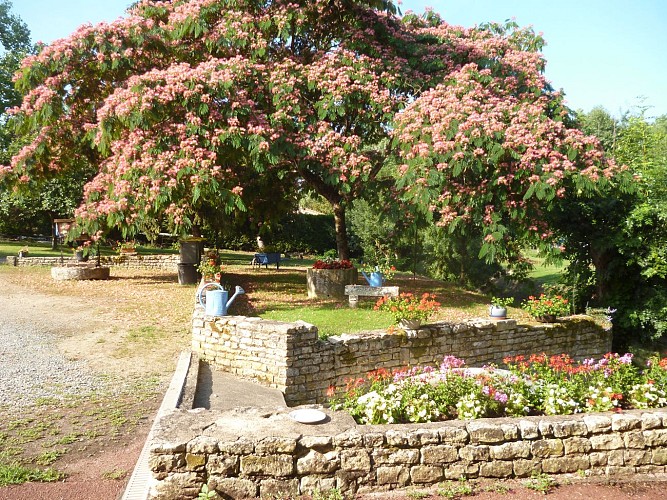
x=540, y=482
x=15, y=473
x=304, y=233
x=616, y=241
x=455, y=257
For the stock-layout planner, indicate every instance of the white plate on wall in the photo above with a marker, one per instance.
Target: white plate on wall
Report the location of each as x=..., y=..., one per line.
x=308, y=416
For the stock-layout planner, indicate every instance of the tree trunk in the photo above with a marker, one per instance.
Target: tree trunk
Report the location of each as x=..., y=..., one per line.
x=341, y=231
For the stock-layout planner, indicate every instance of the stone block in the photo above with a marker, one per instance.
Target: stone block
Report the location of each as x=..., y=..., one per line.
x=426, y=474
x=612, y=470
x=396, y=438
x=462, y=469
x=655, y=438
x=422, y=436
x=279, y=488
x=318, y=442
x=395, y=475
x=472, y=453
x=176, y=486
x=312, y=484
x=241, y=446
x=615, y=458
x=659, y=456
x=194, y=462
x=497, y=468
x=634, y=439
x=355, y=461
x=528, y=429
x=510, y=451
x=223, y=465
x=544, y=448
x=650, y=421
x=318, y=463
x=348, y=439
x=439, y=454
x=636, y=457
x=563, y=465
x=598, y=458
x=453, y=435
x=166, y=463
x=373, y=440
x=394, y=456
x=525, y=468
x=203, y=445
x=607, y=442
x=576, y=445
x=231, y=487
x=273, y=445
x=569, y=428
x=510, y=432
x=597, y=423
x=267, y=465
x=483, y=432
x=623, y=422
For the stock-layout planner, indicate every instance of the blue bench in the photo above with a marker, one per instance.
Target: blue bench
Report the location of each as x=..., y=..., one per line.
x=264, y=259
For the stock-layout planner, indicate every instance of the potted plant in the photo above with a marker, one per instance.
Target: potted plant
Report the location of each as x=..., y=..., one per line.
x=498, y=307
x=82, y=251
x=127, y=247
x=376, y=274
x=546, y=308
x=211, y=266
x=409, y=310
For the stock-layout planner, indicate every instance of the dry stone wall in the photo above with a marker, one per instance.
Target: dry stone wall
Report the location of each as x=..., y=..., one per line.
x=159, y=262
x=262, y=453
x=290, y=356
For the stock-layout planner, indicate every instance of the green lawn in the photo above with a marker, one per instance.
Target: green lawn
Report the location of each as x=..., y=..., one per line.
x=38, y=249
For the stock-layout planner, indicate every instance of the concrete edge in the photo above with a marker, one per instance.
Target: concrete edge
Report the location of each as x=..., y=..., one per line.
x=138, y=485
x=190, y=387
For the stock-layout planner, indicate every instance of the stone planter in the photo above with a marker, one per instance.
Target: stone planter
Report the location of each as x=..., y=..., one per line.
x=80, y=273
x=329, y=283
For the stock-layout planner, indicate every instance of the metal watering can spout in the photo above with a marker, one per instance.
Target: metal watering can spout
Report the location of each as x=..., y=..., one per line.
x=237, y=292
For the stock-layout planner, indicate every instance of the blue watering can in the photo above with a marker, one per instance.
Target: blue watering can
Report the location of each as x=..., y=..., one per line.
x=375, y=279
x=216, y=303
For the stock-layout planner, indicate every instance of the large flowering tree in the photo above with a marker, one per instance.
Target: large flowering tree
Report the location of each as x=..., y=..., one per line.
x=186, y=104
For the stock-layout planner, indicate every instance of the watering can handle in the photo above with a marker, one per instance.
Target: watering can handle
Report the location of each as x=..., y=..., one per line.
x=204, y=287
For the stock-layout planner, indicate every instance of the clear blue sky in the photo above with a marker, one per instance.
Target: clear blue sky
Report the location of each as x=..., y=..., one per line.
x=600, y=52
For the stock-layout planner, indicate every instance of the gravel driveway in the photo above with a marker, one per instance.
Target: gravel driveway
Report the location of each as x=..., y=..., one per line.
x=32, y=368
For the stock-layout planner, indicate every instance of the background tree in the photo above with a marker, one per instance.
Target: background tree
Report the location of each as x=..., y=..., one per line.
x=615, y=240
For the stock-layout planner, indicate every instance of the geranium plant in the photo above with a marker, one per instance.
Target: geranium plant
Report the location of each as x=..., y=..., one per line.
x=387, y=270
x=502, y=302
x=332, y=264
x=546, y=306
x=210, y=264
x=409, y=306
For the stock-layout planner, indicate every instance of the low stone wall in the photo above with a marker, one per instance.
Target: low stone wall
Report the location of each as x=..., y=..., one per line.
x=291, y=358
x=262, y=453
x=161, y=262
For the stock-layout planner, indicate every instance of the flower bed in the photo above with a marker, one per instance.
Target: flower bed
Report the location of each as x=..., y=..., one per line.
x=536, y=385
